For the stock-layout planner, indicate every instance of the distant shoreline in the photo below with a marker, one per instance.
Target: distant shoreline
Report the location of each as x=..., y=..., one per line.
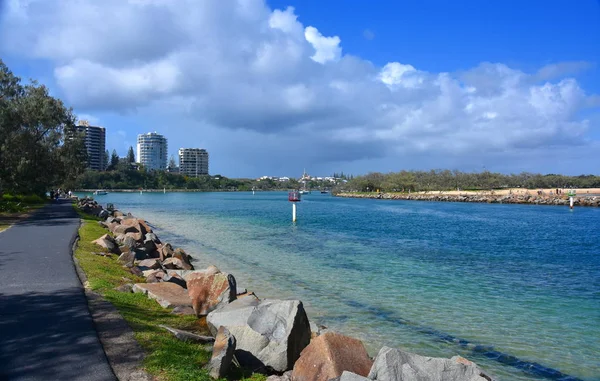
x=584, y=197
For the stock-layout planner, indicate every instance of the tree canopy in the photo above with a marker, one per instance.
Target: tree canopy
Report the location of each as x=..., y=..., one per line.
x=34, y=154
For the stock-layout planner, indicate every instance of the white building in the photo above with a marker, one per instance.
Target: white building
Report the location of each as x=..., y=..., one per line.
x=152, y=151
x=193, y=162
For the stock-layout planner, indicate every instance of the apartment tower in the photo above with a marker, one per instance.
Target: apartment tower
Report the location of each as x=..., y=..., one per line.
x=152, y=151
x=95, y=143
x=193, y=162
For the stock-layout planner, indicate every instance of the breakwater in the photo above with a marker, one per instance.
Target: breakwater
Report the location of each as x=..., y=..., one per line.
x=587, y=200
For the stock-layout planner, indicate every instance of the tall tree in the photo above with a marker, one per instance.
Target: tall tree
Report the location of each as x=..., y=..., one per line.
x=114, y=161
x=130, y=155
x=31, y=132
x=172, y=163
x=106, y=160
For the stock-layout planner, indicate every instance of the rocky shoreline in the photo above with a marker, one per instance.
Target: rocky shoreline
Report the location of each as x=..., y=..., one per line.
x=588, y=201
x=269, y=336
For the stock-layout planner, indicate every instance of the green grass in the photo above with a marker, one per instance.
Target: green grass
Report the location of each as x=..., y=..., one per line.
x=15, y=208
x=167, y=358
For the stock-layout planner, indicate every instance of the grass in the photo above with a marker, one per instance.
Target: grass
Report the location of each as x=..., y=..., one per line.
x=167, y=358
x=16, y=208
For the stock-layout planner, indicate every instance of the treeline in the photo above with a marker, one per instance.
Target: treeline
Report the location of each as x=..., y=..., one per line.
x=34, y=154
x=124, y=178
x=444, y=180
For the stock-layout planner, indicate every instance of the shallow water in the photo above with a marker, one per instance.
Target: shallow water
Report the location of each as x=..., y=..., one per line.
x=515, y=288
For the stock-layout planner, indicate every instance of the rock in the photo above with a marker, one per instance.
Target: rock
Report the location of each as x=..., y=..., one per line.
x=232, y=314
x=141, y=254
x=129, y=242
x=126, y=257
x=175, y=279
x=127, y=288
x=107, y=242
x=222, y=355
x=330, y=354
x=152, y=237
x=211, y=291
x=176, y=264
x=183, y=310
x=149, y=244
x=136, y=271
x=189, y=275
x=396, y=365
x=273, y=337
x=349, y=376
x=154, y=276
x=119, y=238
x=181, y=254
x=168, y=295
x=118, y=213
x=165, y=251
x=138, y=237
x=123, y=229
x=110, y=220
x=188, y=336
x=286, y=376
x=103, y=213
x=149, y=264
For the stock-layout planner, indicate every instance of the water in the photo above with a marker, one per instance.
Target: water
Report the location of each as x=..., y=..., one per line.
x=515, y=288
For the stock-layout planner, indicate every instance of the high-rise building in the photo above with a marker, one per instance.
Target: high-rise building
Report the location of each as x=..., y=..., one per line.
x=193, y=162
x=95, y=143
x=152, y=151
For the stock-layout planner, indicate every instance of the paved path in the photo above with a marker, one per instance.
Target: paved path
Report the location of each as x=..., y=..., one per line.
x=46, y=332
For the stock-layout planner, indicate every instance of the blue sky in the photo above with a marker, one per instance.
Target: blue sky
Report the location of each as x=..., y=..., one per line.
x=332, y=86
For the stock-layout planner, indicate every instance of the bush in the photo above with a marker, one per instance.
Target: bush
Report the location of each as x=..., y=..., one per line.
x=32, y=199
x=11, y=207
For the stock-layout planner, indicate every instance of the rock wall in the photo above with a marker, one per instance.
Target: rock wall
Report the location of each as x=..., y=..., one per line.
x=593, y=201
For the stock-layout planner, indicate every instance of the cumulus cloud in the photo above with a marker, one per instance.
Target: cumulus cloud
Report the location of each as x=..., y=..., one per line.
x=237, y=65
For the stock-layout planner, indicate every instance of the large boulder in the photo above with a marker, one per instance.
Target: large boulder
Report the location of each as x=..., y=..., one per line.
x=396, y=365
x=123, y=229
x=329, y=355
x=149, y=264
x=232, y=314
x=223, y=350
x=138, y=237
x=211, y=291
x=167, y=294
x=165, y=251
x=274, y=335
x=176, y=264
x=107, y=242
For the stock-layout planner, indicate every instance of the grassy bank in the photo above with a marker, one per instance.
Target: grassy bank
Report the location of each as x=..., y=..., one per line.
x=16, y=208
x=166, y=357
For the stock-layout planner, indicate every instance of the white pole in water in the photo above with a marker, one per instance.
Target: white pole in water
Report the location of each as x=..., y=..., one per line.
x=293, y=212
x=571, y=202
x=164, y=190
x=140, y=191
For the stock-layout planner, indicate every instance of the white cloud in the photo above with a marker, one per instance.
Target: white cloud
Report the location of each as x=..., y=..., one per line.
x=244, y=71
x=326, y=48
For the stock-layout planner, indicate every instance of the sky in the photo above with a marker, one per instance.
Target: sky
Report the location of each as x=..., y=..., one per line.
x=273, y=87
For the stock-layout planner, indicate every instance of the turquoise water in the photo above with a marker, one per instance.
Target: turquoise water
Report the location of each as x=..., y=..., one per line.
x=515, y=288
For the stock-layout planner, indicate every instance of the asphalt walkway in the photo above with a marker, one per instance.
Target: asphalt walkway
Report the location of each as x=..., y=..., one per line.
x=46, y=331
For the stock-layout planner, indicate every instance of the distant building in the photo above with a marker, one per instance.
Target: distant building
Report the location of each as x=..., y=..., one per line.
x=193, y=162
x=152, y=151
x=95, y=144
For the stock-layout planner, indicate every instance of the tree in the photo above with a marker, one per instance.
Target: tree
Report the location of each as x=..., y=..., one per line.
x=130, y=155
x=73, y=155
x=172, y=163
x=114, y=161
x=32, y=124
x=106, y=160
